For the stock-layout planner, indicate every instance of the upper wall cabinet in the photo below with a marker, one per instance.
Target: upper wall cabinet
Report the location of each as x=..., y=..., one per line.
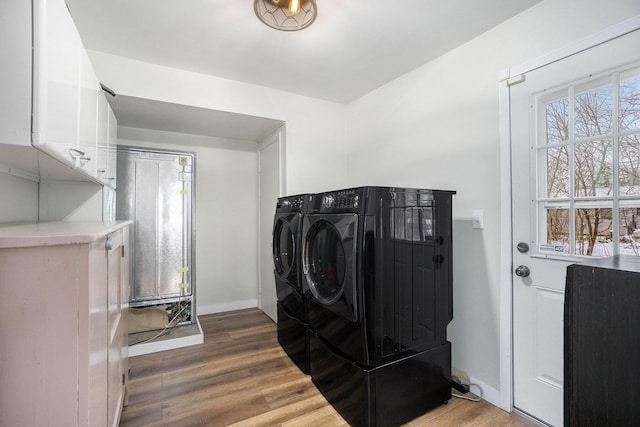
x=112, y=147
x=15, y=72
x=107, y=143
x=68, y=115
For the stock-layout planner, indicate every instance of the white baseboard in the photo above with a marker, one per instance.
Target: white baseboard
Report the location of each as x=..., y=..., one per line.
x=228, y=306
x=489, y=393
x=170, y=344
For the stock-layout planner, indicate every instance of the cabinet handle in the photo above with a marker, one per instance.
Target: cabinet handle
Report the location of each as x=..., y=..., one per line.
x=107, y=89
x=75, y=153
x=108, y=244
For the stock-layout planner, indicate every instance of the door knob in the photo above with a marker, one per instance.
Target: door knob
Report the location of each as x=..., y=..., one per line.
x=522, y=271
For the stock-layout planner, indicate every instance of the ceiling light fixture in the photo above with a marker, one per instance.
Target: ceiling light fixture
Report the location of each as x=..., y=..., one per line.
x=286, y=15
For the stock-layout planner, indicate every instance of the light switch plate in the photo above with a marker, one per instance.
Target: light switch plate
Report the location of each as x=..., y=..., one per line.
x=477, y=219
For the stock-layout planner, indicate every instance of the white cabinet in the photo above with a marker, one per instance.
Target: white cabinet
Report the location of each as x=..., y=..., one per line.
x=107, y=143
x=87, y=115
x=56, y=81
x=117, y=333
x=15, y=75
x=102, y=138
x=63, y=349
x=112, y=166
x=65, y=103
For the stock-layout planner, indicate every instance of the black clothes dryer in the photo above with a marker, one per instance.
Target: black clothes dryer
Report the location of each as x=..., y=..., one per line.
x=377, y=268
x=293, y=323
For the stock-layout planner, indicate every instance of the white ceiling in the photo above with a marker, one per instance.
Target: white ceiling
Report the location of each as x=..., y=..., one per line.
x=353, y=47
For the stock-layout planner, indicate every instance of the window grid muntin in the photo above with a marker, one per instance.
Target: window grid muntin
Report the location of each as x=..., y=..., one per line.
x=540, y=147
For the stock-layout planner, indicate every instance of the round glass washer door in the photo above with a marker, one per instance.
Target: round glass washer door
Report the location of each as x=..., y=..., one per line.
x=284, y=248
x=325, y=262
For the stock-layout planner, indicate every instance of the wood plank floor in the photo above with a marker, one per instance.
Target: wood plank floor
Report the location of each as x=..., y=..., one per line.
x=240, y=376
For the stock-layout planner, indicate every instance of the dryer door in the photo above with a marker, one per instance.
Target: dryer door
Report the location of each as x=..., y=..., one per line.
x=329, y=261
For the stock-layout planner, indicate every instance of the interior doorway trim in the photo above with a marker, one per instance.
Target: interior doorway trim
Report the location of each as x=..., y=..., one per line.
x=278, y=138
x=505, y=78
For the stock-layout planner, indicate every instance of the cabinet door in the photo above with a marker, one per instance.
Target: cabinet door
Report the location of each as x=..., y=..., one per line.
x=39, y=336
x=125, y=287
x=87, y=116
x=96, y=334
x=55, y=81
x=112, y=166
x=15, y=73
x=116, y=331
x=102, y=132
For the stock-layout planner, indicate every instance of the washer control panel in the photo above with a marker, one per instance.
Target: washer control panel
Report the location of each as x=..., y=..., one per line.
x=291, y=203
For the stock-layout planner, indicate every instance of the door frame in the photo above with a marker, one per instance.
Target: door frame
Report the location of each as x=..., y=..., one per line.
x=278, y=137
x=508, y=76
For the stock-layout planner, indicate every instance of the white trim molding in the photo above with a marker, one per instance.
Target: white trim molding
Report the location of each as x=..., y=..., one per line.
x=608, y=34
x=228, y=306
x=490, y=394
x=506, y=291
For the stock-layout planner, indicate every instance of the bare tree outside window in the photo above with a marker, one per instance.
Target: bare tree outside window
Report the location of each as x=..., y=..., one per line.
x=579, y=150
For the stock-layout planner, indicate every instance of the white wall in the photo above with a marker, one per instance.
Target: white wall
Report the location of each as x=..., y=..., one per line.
x=437, y=127
x=315, y=128
x=226, y=207
x=18, y=198
x=70, y=201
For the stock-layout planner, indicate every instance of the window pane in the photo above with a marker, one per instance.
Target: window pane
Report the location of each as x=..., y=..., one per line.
x=630, y=104
x=630, y=231
x=578, y=192
x=593, y=232
x=557, y=117
x=593, y=113
x=630, y=164
x=557, y=172
x=593, y=168
x=557, y=239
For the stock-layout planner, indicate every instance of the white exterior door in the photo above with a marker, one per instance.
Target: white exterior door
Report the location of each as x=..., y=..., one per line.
x=269, y=193
x=575, y=144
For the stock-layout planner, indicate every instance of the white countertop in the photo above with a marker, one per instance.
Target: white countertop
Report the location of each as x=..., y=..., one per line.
x=22, y=235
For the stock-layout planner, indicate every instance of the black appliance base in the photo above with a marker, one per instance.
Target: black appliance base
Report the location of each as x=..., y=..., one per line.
x=293, y=336
x=387, y=395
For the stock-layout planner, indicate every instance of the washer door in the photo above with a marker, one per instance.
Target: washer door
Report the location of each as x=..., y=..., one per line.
x=329, y=261
x=284, y=245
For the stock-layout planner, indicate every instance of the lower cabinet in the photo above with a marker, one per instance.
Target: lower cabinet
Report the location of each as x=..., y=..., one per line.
x=63, y=334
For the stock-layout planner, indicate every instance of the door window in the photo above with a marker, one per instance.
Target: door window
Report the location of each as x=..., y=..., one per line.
x=326, y=263
x=588, y=166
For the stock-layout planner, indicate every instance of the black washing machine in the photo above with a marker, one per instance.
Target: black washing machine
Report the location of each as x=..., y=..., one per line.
x=293, y=323
x=377, y=269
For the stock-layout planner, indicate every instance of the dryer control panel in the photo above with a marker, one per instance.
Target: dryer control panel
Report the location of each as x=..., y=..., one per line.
x=338, y=201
